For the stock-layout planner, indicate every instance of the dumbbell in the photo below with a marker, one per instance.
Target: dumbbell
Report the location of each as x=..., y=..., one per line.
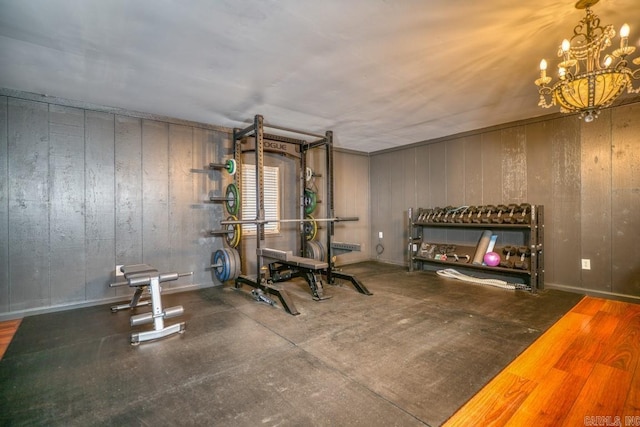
x=498, y=218
x=446, y=249
x=525, y=215
x=438, y=212
x=524, y=252
x=476, y=218
x=508, y=251
x=471, y=210
x=513, y=209
x=449, y=211
x=458, y=258
x=459, y=219
x=432, y=216
x=489, y=210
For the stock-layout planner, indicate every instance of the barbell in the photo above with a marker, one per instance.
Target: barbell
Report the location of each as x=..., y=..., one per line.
x=306, y=219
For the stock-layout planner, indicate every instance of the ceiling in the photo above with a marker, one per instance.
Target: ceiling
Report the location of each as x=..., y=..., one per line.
x=379, y=73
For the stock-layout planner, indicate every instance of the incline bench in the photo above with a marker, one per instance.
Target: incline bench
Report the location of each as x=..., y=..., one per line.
x=144, y=277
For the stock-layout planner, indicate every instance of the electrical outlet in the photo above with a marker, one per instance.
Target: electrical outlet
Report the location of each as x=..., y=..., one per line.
x=586, y=264
x=118, y=271
x=379, y=234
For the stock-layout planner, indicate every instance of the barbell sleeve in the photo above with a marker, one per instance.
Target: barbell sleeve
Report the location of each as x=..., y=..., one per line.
x=114, y=285
x=168, y=277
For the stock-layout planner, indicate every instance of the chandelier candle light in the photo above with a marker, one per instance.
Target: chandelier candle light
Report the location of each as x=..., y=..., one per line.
x=585, y=82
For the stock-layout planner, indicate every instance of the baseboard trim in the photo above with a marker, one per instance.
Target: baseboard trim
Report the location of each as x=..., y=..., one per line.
x=594, y=293
x=19, y=314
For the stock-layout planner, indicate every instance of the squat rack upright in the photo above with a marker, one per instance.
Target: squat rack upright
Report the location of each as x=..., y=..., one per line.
x=257, y=131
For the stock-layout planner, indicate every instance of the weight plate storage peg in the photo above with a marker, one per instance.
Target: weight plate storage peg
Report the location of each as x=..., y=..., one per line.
x=310, y=228
x=310, y=201
x=232, y=202
x=235, y=232
x=225, y=264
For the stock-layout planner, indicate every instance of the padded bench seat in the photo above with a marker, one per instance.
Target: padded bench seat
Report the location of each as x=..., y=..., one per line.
x=138, y=269
x=286, y=257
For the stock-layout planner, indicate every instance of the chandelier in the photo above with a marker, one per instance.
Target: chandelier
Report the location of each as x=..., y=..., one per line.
x=586, y=83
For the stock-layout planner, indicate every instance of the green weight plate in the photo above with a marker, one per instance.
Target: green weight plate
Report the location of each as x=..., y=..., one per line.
x=233, y=199
x=230, y=165
x=310, y=201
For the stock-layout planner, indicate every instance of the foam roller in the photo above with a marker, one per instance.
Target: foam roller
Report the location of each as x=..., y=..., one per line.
x=482, y=247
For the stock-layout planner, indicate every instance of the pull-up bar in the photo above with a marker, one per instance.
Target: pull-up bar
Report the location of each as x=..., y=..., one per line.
x=251, y=128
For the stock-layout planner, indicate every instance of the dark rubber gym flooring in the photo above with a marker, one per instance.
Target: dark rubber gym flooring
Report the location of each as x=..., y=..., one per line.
x=411, y=354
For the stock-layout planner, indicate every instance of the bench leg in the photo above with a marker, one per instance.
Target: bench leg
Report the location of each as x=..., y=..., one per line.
x=315, y=285
x=158, y=315
x=360, y=287
x=135, y=301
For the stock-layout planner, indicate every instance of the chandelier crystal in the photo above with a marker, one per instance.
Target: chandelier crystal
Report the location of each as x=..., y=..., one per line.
x=588, y=81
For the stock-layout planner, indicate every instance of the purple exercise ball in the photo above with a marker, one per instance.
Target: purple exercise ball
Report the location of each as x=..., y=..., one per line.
x=491, y=259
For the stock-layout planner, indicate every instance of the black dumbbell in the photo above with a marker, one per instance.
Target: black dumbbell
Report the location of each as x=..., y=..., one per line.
x=525, y=214
x=508, y=251
x=459, y=218
x=513, y=210
x=449, y=214
x=524, y=252
x=498, y=218
x=470, y=211
x=488, y=211
x=438, y=212
x=478, y=215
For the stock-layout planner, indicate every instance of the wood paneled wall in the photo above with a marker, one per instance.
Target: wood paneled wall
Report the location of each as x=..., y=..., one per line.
x=351, y=198
x=585, y=174
x=85, y=189
x=82, y=191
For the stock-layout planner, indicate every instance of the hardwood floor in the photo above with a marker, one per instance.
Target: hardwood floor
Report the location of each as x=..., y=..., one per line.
x=584, y=370
x=7, y=330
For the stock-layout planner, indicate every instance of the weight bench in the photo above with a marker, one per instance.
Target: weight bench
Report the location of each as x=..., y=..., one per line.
x=283, y=265
x=144, y=277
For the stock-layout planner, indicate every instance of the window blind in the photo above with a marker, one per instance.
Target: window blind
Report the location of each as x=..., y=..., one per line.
x=271, y=198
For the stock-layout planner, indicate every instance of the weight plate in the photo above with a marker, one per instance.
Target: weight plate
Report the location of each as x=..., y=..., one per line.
x=215, y=270
x=310, y=201
x=308, y=174
x=221, y=260
x=310, y=228
x=315, y=250
x=230, y=165
x=233, y=239
x=232, y=262
x=238, y=264
x=232, y=196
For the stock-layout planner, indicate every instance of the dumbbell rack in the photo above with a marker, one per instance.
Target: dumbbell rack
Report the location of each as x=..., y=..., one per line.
x=451, y=231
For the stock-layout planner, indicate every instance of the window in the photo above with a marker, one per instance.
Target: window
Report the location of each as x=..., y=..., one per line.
x=271, y=198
